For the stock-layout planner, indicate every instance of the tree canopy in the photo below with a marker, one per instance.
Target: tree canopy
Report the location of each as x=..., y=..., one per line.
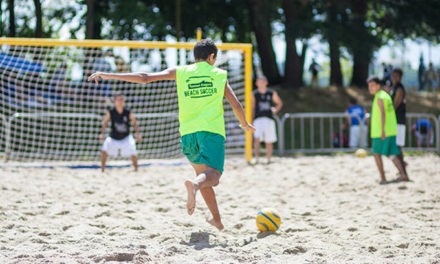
x=359, y=26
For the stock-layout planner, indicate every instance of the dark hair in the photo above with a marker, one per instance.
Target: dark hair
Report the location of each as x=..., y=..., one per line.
x=204, y=48
x=398, y=71
x=352, y=100
x=374, y=79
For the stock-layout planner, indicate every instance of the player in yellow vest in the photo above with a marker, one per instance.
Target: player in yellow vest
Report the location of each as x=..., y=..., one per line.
x=383, y=127
x=200, y=89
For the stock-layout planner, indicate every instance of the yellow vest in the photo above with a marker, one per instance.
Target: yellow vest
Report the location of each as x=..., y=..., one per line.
x=390, y=116
x=200, y=90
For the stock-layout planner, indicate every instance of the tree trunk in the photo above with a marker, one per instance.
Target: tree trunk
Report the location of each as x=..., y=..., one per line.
x=12, y=31
x=294, y=65
x=1, y=18
x=362, y=47
x=333, y=28
x=360, y=70
x=93, y=21
x=263, y=33
x=335, y=64
x=39, y=16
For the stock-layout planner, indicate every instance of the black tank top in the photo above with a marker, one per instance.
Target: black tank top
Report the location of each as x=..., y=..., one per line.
x=401, y=109
x=120, y=123
x=263, y=103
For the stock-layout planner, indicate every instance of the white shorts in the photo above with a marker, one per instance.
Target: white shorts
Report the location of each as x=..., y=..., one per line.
x=400, y=137
x=124, y=147
x=355, y=136
x=265, y=130
x=423, y=138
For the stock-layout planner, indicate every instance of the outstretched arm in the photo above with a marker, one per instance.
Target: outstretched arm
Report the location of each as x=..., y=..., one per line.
x=237, y=108
x=135, y=77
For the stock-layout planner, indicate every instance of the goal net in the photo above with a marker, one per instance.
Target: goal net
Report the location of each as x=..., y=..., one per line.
x=49, y=111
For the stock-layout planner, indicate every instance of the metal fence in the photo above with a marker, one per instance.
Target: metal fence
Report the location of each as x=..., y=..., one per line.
x=316, y=132
x=323, y=132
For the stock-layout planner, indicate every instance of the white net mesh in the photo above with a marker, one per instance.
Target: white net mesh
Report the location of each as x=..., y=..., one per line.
x=49, y=111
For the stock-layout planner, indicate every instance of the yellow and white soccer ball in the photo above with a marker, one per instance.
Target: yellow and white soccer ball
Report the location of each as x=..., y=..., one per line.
x=361, y=153
x=268, y=219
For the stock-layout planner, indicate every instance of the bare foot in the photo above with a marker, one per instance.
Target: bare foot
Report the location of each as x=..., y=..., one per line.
x=191, y=203
x=217, y=224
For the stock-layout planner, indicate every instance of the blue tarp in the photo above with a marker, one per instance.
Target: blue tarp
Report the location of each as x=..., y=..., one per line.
x=11, y=62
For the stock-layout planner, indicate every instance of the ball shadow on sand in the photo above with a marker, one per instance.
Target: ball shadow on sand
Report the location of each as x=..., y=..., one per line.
x=200, y=240
x=267, y=233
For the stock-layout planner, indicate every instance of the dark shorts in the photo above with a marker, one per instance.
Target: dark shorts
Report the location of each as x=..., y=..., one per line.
x=387, y=147
x=205, y=148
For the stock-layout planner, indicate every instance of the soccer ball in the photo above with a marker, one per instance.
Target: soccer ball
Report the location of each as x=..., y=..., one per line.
x=268, y=219
x=361, y=153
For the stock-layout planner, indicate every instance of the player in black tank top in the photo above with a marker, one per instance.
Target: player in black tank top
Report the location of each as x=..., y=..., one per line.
x=263, y=104
x=120, y=123
x=120, y=129
x=398, y=95
x=262, y=101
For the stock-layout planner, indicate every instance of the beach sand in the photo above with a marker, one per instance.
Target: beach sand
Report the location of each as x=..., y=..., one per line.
x=333, y=211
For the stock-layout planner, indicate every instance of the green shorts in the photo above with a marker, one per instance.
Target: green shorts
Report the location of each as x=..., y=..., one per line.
x=205, y=148
x=387, y=147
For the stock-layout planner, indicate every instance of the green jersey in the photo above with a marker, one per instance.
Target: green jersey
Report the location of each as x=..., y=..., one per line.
x=200, y=90
x=390, y=116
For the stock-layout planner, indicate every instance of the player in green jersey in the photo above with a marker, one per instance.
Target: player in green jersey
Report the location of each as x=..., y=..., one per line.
x=200, y=89
x=383, y=127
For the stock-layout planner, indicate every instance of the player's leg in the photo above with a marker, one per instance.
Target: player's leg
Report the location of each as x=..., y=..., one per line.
x=128, y=148
x=259, y=127
x=206, y=177
x=400, y=141
x=269, y=150
x=103, y=160
x=134, y=160
x=257, y=144
x=270, y=135
x=379, y=164
x=208, y=193
x=400, y=166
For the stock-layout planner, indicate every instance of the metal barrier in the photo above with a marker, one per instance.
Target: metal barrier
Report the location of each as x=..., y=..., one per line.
x=321, y=132
x=314, y=132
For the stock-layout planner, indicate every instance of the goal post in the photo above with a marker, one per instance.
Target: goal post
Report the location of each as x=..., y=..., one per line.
x=50, y=111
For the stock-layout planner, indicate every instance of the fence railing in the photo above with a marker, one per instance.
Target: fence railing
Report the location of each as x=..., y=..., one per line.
x=315, y=132
x=299, y=132
x=323, y=132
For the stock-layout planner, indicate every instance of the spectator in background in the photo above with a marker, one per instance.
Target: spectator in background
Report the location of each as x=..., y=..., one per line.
x=430, y=78
x=262, y=100
x=314, y=69
x=386, y=73
x=398, y=95
x=421, y=74
x=422, y=130
x=355, y=135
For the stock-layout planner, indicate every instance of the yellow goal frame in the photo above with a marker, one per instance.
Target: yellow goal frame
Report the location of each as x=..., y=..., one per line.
x=246, y=49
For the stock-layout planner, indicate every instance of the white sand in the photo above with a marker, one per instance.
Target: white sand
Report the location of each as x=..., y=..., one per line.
x=333, y=211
